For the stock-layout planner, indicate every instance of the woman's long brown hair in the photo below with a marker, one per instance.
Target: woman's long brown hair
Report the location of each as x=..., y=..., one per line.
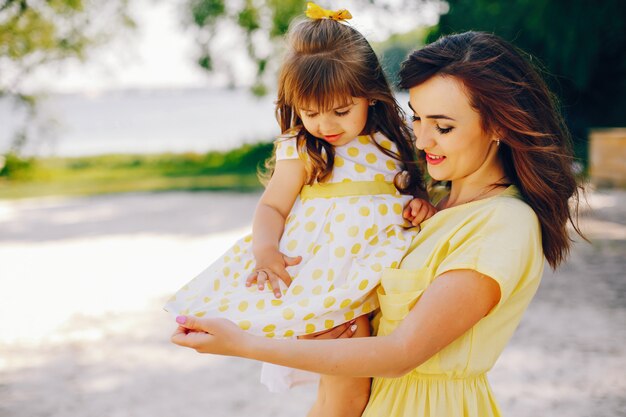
x=326, y=63
x=513, y=101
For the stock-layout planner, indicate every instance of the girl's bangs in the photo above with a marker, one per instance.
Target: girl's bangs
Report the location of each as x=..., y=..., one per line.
x=320, y=89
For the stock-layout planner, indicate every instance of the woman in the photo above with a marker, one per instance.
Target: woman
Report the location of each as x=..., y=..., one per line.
x=488, y=126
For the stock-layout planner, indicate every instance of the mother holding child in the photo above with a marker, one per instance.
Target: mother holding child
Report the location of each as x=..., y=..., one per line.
x=488, y=126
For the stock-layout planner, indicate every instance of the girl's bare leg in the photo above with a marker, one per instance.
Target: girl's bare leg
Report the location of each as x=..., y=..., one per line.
x=343, y=396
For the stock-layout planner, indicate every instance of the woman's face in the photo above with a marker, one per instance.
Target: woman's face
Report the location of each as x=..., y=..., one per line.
x=448, y=129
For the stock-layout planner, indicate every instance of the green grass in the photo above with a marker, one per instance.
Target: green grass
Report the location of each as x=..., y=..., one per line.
x=233, y=170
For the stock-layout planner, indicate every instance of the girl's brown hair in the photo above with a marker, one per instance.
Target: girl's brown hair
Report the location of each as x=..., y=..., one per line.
x=326, y=63
x=513, y=101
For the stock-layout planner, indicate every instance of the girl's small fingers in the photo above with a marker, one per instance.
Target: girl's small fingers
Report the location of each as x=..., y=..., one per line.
x=285, y=277
x=420, y=215
x=424, y=209
x=292, y=261
x=415, y=204
x=274, y=283
x=251, y=278
x=406, y=213
x=261, y=279
x=416, y=207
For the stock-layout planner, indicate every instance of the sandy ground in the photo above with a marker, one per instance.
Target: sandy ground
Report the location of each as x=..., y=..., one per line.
x=82, y=333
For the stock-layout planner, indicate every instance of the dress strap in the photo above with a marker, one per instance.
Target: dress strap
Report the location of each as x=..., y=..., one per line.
x=347, y=189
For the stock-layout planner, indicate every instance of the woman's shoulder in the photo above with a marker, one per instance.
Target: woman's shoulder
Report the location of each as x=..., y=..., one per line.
x=507, y=212
x=510, y=205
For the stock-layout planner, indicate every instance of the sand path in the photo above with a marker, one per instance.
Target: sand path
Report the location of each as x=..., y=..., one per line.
x=82, y=333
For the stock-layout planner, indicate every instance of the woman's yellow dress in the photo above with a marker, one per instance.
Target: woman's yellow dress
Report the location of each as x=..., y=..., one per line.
x=499, y=237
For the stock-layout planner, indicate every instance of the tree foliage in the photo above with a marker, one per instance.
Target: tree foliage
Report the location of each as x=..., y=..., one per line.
x=34, y=34
x=260, y=25
x=394, y=50
x=256, y=25
x=580, y=43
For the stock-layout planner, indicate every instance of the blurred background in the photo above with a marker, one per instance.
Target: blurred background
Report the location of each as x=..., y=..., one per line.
x=130, y=136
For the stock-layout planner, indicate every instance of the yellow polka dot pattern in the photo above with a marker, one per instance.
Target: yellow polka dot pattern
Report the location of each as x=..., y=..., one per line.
x=345, y=244
x=286, y=149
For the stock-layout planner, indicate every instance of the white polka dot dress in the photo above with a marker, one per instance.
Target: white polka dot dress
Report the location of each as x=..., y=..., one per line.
x=347, y=231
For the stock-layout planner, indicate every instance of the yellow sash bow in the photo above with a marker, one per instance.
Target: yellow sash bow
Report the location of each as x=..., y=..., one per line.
x=347, y=189
x=313, y=11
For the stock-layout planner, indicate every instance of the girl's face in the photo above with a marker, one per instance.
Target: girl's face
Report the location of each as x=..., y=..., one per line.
x=340, y=125
x=448, y=129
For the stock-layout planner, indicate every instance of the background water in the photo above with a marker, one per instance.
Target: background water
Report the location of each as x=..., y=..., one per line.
x=145, y=121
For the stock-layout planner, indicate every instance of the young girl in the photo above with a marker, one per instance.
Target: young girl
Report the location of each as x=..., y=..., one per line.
x=330, y=219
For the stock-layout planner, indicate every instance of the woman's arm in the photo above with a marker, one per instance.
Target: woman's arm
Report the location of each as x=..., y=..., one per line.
x=454, y=302
x=269, y=222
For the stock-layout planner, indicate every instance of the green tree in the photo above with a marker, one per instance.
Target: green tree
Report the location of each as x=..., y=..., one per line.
x=34, y=34
x=256, y=28
x=581, y=44
x=394, y=50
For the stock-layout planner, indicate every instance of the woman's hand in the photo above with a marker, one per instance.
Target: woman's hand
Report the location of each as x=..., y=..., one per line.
x=271, y=266
x=418, y=210
x=223, y=337
x=343, y=331
x=217, y=336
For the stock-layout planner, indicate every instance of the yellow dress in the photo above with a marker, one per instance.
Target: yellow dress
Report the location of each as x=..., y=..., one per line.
x=499, y=237
x=346, y=230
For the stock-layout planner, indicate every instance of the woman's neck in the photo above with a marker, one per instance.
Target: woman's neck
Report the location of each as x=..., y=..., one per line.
x=478, y=186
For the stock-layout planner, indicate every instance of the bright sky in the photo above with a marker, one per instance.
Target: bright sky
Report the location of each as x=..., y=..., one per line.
x=161, y=53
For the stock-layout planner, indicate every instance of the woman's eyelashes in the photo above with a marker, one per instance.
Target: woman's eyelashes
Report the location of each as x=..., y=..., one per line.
x=443, y=130
x=440, y=129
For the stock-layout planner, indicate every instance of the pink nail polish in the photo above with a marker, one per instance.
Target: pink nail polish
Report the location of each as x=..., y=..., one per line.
x=181, y=319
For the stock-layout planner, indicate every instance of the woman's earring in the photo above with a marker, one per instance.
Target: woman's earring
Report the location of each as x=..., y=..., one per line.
x=372, y=102
x=497, y=142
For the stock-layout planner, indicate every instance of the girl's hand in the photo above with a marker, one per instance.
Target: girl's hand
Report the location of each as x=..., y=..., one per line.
x=418, y=210
x=217, y=336
x=271, y=266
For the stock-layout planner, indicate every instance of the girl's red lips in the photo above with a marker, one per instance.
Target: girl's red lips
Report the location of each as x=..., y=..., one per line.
x=332, y=138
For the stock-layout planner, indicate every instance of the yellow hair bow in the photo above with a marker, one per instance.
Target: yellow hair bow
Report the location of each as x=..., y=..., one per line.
x=313, y=11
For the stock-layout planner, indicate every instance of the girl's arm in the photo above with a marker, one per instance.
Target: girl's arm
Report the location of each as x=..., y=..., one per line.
x=452, y=304
x=269, y=222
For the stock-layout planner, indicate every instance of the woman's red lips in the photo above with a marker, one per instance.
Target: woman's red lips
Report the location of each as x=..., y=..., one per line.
x=434, y=159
